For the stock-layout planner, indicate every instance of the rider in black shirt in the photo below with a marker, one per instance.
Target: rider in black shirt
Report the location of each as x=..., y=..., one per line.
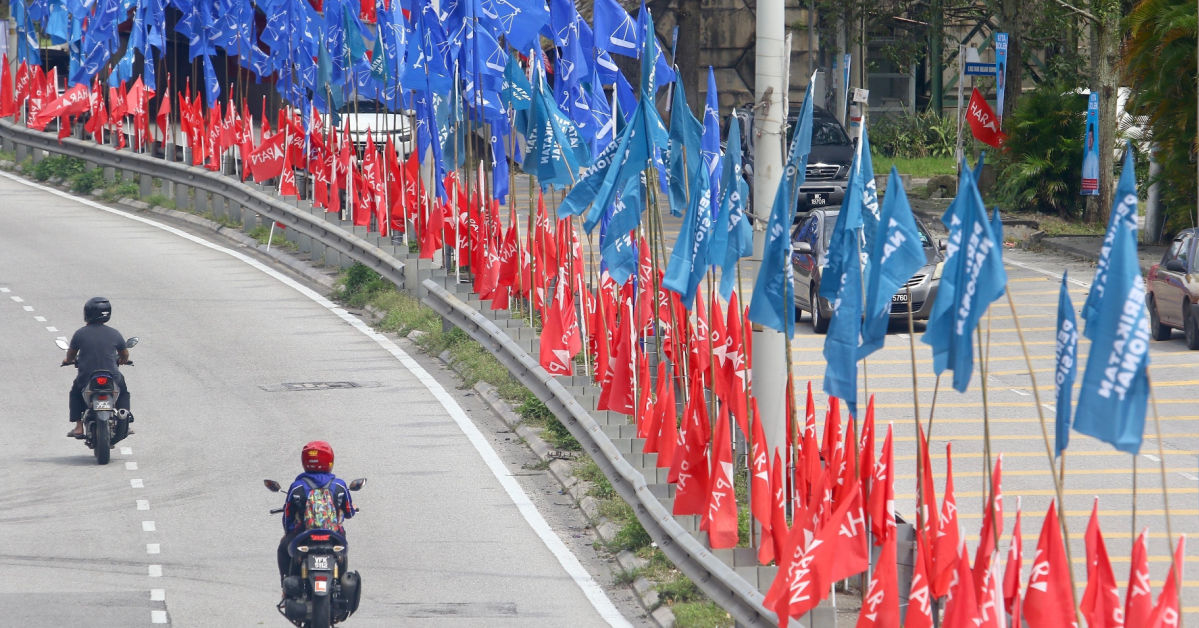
x=95, y=347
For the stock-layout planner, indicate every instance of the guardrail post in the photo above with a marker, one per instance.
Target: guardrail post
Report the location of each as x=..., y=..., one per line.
x=249, y=220
x=145, y=185
x=182, y=203
x=22, y=151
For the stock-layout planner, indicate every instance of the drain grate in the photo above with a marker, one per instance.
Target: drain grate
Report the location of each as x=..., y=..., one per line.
x=301, y=386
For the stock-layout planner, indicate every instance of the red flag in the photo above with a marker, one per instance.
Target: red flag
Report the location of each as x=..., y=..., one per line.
x=928, y=498
x=266, y=162
x=866, y=463
x=668, y=423
x=984, y=124
x=430, y=238
x=1167, y=613
x=21, y=87
x=1011, y=573
x=1138, y=602
x=832, y=429
x=651, y=423
x=990, y=600
x=1101, y=599
x=618, y=395
x=735, y=375
x=882, y=495
x=847, y=529
x=1048, y=599
x=992, y=525
x=778, y=509
x=880, y=607
x=701, y=354
x=691, y=495
x=722, y=502
x=810, y=460
x=287, y=178
x=962, y=611
x=8, y=106
x=920, y=610
x=760, y=495
x=949, y=548
x=162, y=118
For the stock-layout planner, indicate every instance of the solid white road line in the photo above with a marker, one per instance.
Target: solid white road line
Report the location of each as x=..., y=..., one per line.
x=569, y=562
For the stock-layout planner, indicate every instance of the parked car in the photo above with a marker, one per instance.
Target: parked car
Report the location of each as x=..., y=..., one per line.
x=369, y=115
x=828, y=164
x=809, y=253
x=1173, y=286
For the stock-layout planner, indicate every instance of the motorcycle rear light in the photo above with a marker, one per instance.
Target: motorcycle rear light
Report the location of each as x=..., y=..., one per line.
x=103, y=381
x=102, y=397
x=319, y=537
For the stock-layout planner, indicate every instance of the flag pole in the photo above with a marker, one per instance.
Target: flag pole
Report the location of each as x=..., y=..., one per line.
x=1161, y=457
x=1057, y=485
x=920, y=497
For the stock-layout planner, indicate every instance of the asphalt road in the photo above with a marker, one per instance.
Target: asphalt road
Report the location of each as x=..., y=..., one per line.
x=231, y=378
x=1093, y=469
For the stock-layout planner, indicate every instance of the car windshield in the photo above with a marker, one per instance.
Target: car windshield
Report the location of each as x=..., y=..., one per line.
x=363, y=106
x=828, y=133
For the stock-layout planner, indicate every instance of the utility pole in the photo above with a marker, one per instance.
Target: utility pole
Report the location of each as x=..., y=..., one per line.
x=770, y=94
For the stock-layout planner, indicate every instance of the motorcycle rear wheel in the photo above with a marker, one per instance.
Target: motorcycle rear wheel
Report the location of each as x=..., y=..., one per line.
x=322, y=612
x=102, y=446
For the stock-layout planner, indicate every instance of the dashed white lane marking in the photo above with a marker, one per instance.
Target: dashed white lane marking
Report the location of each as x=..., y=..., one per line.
x=143, y=504
x=1055, y=275
x=567, y=560
x=17, y=299
x=126, y=451
x=131, y=466
x=153, y=548
x=158, y=617
x=1152, y=457
x=40, y=319
x=136, y=483
x=51, y=328
x=158, y=595
x=5, y=290
x=1020, y=392
x=147, y=526
x=1189, y=476
x=27, y=308
x=155, y=571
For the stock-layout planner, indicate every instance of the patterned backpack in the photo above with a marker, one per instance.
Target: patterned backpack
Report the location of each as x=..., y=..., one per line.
x=320, y=509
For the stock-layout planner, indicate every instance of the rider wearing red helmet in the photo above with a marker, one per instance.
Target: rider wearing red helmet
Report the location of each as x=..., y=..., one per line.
x=317, y=459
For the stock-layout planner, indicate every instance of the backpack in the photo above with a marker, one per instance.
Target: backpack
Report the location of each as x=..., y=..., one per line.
x=320, y=508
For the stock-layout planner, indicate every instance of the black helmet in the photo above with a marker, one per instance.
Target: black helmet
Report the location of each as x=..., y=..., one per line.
x=97, y=310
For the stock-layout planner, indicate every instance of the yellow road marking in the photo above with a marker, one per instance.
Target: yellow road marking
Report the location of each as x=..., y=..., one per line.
x=969, y=437
x=959, y=455
x=1141, y=512
x=1045, y=492
x=1148, y=469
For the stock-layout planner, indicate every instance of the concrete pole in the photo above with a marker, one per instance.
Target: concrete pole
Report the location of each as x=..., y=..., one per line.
x=1153, y=227
x=770, y=93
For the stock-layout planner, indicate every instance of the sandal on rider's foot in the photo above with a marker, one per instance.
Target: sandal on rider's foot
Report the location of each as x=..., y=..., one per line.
x=74, y=434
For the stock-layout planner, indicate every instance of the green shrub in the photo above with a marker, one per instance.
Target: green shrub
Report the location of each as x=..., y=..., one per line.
x=1040, y=170
x=60, y=166
x=121, y=190
x=556, y=434
x=914, y=135
x=631, y=536
x=86, y=181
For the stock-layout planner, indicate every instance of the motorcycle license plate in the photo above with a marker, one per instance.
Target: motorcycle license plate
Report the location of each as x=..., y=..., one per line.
x=102, y=405
x=319, y=562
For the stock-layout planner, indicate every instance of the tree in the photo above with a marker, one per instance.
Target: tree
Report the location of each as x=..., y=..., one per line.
x=1160, y=52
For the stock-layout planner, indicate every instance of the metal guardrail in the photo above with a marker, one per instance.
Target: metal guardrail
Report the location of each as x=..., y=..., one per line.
x=720, y=582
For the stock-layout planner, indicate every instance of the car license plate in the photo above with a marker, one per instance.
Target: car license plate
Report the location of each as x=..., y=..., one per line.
x=900, y=297
x=318, y=562
x=819, y=199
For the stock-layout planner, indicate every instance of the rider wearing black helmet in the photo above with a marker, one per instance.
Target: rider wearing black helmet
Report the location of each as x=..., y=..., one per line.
x=95, y=347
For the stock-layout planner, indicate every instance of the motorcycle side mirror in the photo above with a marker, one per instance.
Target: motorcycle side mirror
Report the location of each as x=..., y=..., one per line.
x=357, y=484
x=62, y=343
x=942, y=245
x=131, y=342
x=271, y=485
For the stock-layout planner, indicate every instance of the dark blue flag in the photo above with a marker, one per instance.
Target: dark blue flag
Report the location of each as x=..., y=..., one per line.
x=1065, y=366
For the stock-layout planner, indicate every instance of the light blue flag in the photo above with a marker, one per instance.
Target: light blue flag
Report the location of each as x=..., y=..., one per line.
x=732, y=236
x=845, y=326
x=683, y=159
x=773, y=301
x=1124, y=213
x=1066, y=366
x=848, y=219
x=973, y=278
x=689, y=258
x=1115, y=386
x=896, y=255
x=616, y=244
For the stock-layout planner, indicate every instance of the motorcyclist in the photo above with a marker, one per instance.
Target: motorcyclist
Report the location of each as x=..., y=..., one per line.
x=96, y=347
x=317, y=460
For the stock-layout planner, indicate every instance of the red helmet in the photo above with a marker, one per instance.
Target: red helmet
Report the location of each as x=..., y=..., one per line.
x=317, y=456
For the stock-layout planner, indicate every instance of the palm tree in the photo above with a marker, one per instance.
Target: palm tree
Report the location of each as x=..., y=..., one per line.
x=1159, y=66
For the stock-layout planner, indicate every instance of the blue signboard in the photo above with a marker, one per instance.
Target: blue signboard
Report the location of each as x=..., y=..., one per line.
x=980, y=69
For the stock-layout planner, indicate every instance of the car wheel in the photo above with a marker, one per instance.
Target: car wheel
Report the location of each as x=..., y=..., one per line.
x=1191, y=328
x=819, y=322
x=1156, y=328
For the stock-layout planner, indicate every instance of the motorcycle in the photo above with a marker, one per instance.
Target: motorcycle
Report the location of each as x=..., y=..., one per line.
x=103, y=424
x=319, y=596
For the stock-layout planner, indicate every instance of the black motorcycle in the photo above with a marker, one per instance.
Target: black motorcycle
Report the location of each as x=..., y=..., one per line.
x=320, y=594
x=103, y=424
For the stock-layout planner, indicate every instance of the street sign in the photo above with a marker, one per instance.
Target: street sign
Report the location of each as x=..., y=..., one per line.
x=980, y=69
x=861, y=95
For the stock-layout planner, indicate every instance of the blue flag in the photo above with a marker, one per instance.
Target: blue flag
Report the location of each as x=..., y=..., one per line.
x=710, y=149
x=732, y=236
x=896, y=255
x=1065, y=365
x=616, y=242
x=1115, y=386
x=615, y=30
x=773, y=301
x=1124, y=213
x=683, y=157
x=689, y=258
x=973, y=278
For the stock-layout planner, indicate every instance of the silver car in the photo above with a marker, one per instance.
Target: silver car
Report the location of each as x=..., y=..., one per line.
x=809, y=253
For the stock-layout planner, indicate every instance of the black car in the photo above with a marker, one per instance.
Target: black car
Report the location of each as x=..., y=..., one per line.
x=828, y=163
x=809, y=253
